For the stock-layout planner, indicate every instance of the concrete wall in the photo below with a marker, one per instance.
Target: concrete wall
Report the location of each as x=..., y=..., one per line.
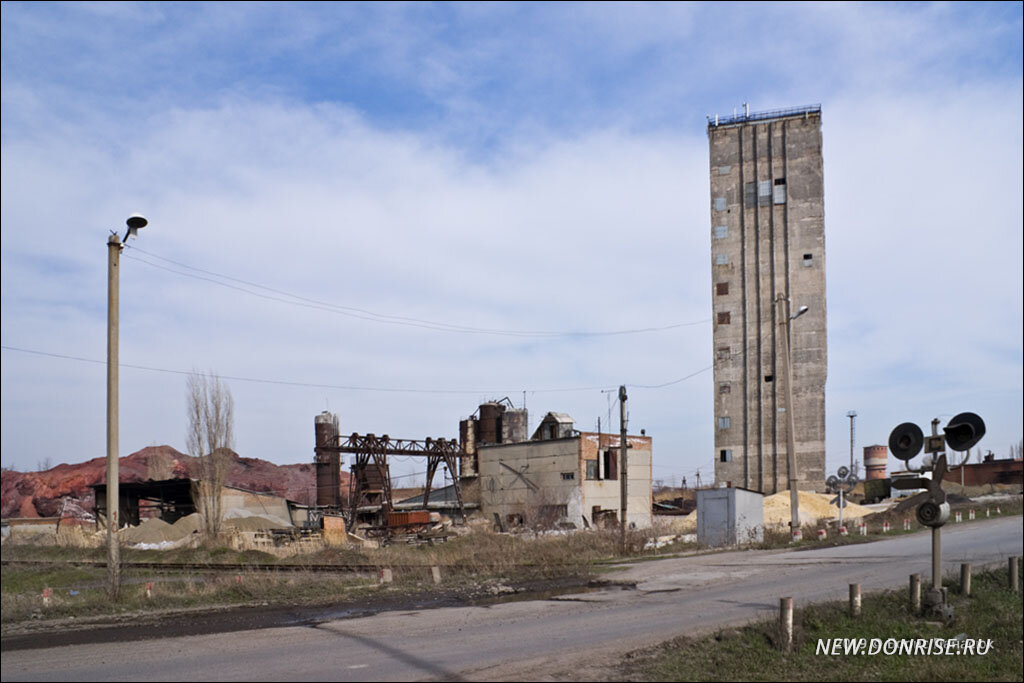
x=526, y=479
x=729, y=516
x=758, y=249
x=259, y=504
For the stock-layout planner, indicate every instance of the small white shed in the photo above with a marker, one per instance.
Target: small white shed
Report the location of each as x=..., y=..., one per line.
x=729, y=516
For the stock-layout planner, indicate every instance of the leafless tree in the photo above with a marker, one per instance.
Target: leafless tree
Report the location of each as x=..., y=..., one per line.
x=210, y=439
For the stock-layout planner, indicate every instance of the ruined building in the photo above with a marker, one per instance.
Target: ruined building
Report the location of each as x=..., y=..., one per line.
x=767, y=238
x=559, y=477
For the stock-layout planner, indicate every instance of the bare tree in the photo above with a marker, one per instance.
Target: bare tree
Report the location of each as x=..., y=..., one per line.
x=210, y=438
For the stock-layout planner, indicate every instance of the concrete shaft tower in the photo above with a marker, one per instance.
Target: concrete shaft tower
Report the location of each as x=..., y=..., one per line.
x=767, y=238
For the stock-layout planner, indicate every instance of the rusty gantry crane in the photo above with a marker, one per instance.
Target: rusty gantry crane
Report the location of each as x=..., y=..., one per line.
x=370, y=485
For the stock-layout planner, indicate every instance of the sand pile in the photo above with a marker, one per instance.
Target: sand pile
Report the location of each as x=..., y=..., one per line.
x=253, y=523
x=152, y=530
x=813, y=506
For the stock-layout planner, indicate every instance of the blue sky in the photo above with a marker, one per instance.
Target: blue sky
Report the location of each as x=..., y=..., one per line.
x=497, y=166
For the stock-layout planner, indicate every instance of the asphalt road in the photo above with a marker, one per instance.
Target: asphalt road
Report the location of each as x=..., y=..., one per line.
x=568, y=637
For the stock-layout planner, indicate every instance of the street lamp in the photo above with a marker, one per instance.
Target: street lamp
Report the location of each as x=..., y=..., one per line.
x=114, y=246
x=785, y=320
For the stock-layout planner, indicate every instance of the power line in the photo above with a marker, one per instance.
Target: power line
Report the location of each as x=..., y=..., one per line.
x=363, y=314
x=342, y=386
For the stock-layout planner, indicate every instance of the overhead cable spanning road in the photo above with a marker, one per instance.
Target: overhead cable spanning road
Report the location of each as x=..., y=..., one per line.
x=578, y=637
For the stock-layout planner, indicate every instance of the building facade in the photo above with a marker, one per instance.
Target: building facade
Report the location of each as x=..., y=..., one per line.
x=767, y=240
x=565, y=479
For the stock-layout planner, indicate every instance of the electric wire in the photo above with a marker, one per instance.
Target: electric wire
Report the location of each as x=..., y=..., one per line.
x=343, y=387
x=363, y=314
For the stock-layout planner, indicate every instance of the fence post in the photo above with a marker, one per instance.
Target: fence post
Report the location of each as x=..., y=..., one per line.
x=786, y=623
x=965, y=578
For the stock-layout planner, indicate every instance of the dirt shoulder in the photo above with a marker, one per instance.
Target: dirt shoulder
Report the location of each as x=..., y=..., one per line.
x=143, y=625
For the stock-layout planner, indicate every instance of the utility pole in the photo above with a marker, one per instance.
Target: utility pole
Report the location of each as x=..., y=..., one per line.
x=783, y=316
x=852, y=415
x=113, y=478
x=623, y=458
x=135, y=223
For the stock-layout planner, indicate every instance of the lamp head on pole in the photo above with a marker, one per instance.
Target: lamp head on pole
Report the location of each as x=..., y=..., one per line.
x=800, y=312
x=135, y=222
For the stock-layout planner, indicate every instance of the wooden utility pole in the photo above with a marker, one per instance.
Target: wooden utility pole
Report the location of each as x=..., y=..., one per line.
x=623, y=460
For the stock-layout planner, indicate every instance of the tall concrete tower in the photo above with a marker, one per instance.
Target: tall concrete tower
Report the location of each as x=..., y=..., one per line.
x=767, y=238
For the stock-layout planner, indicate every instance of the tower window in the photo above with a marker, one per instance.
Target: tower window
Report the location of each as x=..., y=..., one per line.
x=764, y=193
x=724, y=422
x=722, y=260
x=723, y=318
x=749, y=194
x=719, y=203
x=725, y=455
x=721, y=288
x=724, y=388
x=779, y=196
x=808, y=260
x=723, y=353
x=721, y=231
x=769, y=378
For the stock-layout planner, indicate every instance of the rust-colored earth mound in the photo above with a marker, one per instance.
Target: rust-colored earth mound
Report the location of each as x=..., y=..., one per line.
x=65, y=488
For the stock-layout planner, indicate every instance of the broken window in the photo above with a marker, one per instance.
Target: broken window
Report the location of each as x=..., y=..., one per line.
x=808, y=260
x=722, y=260
x=611, y=464
x=764, y=193
x=721, y=231
x=721, y=288
x=724, y=422
x=719, y=203
x=769, y=378
x=724, y=388
x=592, y=470
x=723, y=318
x=568, y=476
x=780, y=191
x=725, y=455
x=723, y=353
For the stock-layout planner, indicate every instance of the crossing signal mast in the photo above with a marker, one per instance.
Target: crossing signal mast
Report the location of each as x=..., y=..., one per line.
x=905, y=442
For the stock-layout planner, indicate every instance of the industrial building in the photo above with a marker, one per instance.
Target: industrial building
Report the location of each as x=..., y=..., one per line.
x=767, y=239
x=561, y=477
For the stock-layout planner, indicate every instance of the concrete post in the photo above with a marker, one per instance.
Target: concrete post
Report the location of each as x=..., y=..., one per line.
x=965, y=578
x=435, y=574
x=915, y=593
x=1014, y=577
x=623, y=460
x=782, y=315
x=786, y=623
x=386, y=576
x=113, y=478
x=854, y=599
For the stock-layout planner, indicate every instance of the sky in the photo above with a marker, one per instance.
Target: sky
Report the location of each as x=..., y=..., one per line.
x=397, y=211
